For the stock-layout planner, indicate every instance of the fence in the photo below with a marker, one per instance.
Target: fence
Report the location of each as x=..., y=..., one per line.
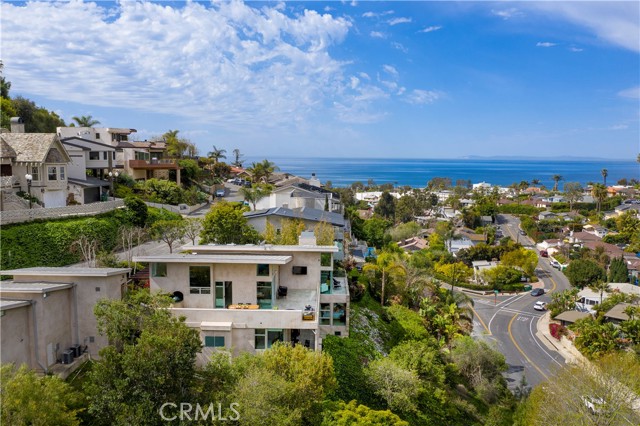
x=17, y=216
x=180, y=208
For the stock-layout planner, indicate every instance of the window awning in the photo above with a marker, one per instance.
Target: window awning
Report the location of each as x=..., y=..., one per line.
x=215, y=326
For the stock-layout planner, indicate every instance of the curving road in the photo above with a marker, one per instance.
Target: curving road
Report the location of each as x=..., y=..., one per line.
x=510, y=322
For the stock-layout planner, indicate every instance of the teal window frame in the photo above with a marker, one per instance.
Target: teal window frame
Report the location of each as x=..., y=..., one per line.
x=159, y=269
x=198, y=286
x=214, y=341
x=223, y=294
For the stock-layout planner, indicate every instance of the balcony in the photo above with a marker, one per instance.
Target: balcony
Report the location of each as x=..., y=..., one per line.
x=154, y=164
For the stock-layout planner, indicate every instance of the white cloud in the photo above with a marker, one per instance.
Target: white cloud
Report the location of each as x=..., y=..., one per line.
x=377, y=15
x=364, y=75
x=421, y=97
x=619, y=127
x=632, y=92
x=431, y=29
x=389, y=69
x=396, y=21
x=615, y=22
x=355, y=81
x=399, y=46
x=226, y=63
x=507, y=13
x=377, y=34
x=576, y=49
x=545, y=44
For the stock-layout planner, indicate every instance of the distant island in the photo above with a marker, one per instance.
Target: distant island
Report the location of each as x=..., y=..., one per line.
x=531, y=158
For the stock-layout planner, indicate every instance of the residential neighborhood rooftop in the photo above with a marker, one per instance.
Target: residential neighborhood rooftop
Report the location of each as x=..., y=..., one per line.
x=31, y=287
x=65, y=271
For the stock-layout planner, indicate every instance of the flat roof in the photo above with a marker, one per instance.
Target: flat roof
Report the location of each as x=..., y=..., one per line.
x=216, y=258
x=65, y=272
x=12, y=304
x=617, y=312
x=31, y=287
x=259, y=248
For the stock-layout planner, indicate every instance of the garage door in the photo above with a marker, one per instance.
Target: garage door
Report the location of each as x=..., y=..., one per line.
x=55, y=199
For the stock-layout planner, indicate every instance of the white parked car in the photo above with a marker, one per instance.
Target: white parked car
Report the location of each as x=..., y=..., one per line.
x=540, y=306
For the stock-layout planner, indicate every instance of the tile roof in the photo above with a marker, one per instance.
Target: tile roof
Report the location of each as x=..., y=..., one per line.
x=35, y=147
x=5, y=150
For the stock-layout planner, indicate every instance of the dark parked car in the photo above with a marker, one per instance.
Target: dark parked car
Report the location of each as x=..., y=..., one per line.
x=537, y=292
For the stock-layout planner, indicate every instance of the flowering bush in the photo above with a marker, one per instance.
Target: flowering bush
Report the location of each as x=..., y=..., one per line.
x=557, y=330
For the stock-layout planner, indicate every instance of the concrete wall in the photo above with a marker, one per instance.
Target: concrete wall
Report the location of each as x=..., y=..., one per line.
x=87, y=296
x=17, y=338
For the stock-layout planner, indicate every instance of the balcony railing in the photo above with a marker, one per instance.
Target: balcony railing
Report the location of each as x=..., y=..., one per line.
x=153, y=163
x=7, y=181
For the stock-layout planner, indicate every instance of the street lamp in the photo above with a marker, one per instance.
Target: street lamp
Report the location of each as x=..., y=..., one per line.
x=29, y=178
x=112, y=176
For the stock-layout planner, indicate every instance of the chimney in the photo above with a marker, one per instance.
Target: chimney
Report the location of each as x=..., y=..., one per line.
x=17, y=125
x=307, y=238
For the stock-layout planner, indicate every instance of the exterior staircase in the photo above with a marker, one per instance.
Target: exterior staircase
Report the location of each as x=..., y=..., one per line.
x=10, y=201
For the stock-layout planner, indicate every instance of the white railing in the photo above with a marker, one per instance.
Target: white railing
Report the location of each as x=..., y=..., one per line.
x=17, y=216
x=7, y=181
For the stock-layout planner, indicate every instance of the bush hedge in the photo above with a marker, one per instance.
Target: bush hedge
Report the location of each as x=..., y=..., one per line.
x=48, y=243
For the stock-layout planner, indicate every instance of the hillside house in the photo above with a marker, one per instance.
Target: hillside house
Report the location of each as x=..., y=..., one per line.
x=246, y=297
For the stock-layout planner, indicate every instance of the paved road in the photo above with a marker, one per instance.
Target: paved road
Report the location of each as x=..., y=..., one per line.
x=510, y=322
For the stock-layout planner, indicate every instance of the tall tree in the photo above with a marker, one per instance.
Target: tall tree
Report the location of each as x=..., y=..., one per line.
x=604, y=173
x=388, y=266
x=169, y=231
x=36, y=119
x=573, y=192
x=556, y=179
x=225, y=224
x=618, y=271
x=237, y=158
x=150, y=361
x=584, y=272
x=176, y=147
x=216, y=154
x=599, y=193
x=85, y=121
x=386, y=206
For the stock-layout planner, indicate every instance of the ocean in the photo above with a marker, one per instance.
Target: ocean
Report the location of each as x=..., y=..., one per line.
x=417, y=172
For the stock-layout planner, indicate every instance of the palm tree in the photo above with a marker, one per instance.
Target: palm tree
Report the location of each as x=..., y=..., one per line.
x=255, y=193
x=600, y=287
x=604, y=173
x=262, y=170
x=535, y=182
x=237, y=158
x=175, y=145
x=599, y=192
x=85, y=121
x=556, y=179
x=217, y=154
x=386, y=264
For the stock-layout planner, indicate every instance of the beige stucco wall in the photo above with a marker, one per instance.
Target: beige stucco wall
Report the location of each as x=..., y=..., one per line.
x=16, y=340
x=87, y=297
x=54, y=324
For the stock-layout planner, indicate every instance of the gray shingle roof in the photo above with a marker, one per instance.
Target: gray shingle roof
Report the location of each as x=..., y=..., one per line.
x=34, y=147
x=5, y=150
x=304, y=213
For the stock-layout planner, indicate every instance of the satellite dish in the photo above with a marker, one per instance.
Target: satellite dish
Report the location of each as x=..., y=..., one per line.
x=177, y=296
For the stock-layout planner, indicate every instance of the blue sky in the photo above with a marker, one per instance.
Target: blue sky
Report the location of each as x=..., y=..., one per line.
x=353, y=79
